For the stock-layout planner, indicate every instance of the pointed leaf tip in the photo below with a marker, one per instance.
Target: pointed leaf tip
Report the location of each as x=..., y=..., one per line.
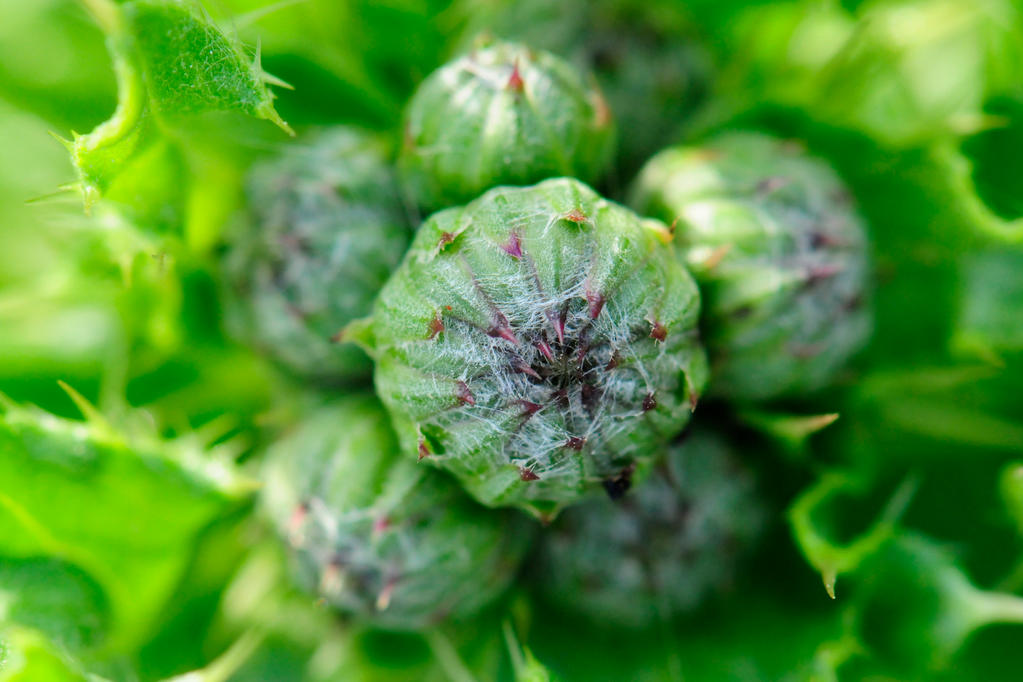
x=271, y=79
x=66, y=143
x=829, y=577
x=268, y=112
x=92, y=415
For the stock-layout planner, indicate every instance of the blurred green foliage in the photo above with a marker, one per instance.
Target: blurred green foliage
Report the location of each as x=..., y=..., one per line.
x=122, y=556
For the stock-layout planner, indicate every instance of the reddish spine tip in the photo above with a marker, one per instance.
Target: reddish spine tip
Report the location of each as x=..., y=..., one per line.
x=596, y=303
x=293, y=242
x=575, y=443
x=545, y=350
x=464, y=395
x=658, y=331
x=297, y=312
x=694, y=397
x=384, y=598
x=503, y=332
x=772, y=184
x=673, y=226
x=515, y=82
x=819, y=273
x=527, y=475
x=807, y=351
x=613, y=362
x=822, y=240
x=331, y=580
x=584, y=348
x=601, y=111
x=424, y=452
x=380, y=524
x=528, y=408
x=513, y=247
x=742, y=312
x=649, y=402
x=841, y=197
x=561, y=398
x=445, y=239
x=436, y=326
x=295, y=523
x=575, y=216
x=716, y=256
x=299, y=513
x=519, y=365
x=557, y=320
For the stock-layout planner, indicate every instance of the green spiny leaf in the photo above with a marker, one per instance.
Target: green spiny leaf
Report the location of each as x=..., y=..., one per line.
x=171, y=61
x=792, y=431
x=916, y=608
x=823, y=552
x=125, y=511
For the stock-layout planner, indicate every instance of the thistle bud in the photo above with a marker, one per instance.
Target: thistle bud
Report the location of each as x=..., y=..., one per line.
x=781, y=257
x=377, y=537
x=539, y=344
x=325, y=230
x=502, y=115
x=660, y=551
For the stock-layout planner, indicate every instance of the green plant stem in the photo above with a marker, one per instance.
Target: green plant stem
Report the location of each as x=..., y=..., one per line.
x=448, y=657
x=1013, y=582
x=224, y=667
x=998, y=607
x=514, y=650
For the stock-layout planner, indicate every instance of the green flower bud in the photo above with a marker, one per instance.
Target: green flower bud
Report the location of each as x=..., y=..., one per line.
x=375, y=535
x=502, y=115
x=537, y=343
x=780, y=255
x=660, y=551
x=326, y=228
x=644, y=56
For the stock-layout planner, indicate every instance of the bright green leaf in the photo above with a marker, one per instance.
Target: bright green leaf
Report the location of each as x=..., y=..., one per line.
x=171, y=62
x=54, y=597
x=27, y=656
x=792, y=431
x=127, y=513
x=826, y=554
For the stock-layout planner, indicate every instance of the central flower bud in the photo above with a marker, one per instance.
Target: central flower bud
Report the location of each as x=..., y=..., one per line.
x=539, y=343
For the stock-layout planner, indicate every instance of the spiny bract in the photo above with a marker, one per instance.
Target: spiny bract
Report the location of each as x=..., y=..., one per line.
x=537, y=343
x=502, y=115
x=325, y=230
x=781, y=257
x=644, y=55
x=377, y=536
x=661, y=550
